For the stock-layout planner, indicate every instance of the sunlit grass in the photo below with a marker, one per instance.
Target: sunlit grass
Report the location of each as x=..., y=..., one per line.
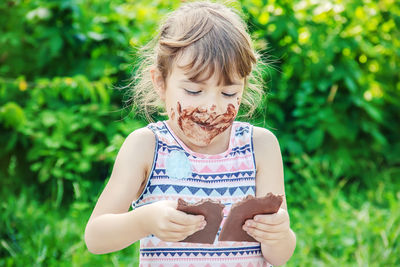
x=345, y=226
x=349, y=227
x=36, y=234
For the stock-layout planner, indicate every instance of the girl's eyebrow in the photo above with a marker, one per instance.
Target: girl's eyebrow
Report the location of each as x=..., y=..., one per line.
x=203, y=83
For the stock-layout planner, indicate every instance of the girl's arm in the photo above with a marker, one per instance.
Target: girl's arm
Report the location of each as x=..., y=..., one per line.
x=111, y=227
x=273, y=231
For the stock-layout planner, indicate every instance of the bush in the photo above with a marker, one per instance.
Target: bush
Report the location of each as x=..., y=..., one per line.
x=63, y=134
x=334, y=84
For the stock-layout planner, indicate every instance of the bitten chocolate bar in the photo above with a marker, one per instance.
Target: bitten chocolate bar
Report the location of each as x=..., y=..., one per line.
x=239, y=213
x=244, y=210
x=212, y=212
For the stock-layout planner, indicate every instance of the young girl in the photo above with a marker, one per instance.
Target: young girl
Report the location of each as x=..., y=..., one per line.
x=202, y=72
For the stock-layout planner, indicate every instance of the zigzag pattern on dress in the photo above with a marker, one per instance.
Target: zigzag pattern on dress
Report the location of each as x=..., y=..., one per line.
x=160, y=173
x=227, y=177
x=237, y=150
x=192, y=190
x=205, y=264
x=241, y=131
x=228, y=252
x=190, y=199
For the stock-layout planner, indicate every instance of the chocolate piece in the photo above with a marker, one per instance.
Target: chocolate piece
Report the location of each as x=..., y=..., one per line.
x=244, y=210
x=212, y=212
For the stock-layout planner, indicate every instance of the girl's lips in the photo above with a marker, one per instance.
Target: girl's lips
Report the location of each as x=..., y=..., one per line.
x=204, y=125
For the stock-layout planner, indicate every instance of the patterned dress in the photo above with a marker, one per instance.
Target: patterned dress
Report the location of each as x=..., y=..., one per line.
x=227, y=177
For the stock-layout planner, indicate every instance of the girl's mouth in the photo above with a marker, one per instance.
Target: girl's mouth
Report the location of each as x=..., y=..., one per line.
x=204, y=125
x=208, y=123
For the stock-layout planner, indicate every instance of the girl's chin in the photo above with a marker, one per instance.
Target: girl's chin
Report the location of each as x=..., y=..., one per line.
x=199, y=142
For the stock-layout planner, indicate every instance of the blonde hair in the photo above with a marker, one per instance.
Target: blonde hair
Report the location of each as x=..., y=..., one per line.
x=216, y=37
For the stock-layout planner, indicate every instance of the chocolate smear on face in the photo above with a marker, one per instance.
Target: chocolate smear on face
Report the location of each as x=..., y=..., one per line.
x=172, y=114
x=201, y=125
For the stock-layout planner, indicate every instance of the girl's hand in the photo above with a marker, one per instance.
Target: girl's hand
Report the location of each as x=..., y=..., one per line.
x=269, y=229
x=169, y=224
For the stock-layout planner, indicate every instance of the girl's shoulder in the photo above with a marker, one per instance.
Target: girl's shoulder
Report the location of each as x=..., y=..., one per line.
x=262, y=135
x=139, y=147
x=142, y=138
x=265, y=143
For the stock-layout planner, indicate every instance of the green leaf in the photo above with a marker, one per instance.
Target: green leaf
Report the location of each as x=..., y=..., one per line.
x=12, y=115
x=351, y=85
x=48, y=118
x=294, y=147
x=315, y=139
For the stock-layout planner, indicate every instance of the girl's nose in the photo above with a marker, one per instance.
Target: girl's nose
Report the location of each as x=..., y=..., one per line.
x=211, y=103
x=207, y=107
x=211, y=108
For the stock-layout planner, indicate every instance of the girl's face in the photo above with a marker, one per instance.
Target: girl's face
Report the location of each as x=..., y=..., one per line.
x=200, y=111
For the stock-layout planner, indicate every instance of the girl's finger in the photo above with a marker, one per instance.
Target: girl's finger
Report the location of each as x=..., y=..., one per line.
x=180, y=234
x=261, y=235
x=173, y=227
x=179, y=217
x=270, y=228
x=273, y=219
x=172, y=236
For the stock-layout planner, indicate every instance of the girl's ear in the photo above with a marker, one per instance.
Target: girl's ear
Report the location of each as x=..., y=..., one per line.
x=158, y=82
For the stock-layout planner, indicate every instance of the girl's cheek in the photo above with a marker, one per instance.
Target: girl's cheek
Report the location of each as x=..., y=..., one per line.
x=172, y=114
x=238, y=101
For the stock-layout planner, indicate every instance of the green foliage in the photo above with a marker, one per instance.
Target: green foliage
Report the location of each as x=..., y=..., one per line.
x=334, y=81
x=12, y=115
x=64, y=38
x=69, y=138
x=37, y=234
x=333, y=102
x=348, y=229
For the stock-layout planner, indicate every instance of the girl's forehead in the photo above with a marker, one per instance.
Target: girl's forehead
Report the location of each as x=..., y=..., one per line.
x=205, y=78
x=212, y=75
x=184, y=58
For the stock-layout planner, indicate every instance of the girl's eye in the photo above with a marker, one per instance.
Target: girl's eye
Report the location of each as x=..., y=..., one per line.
x=229, y=95
x=192, y=92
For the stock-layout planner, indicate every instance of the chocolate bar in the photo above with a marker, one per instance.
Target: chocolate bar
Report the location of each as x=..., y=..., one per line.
x=245, y=210
x=212, y=212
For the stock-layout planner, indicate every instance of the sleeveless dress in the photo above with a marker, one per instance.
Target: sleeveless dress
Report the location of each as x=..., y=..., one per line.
x=227, y=177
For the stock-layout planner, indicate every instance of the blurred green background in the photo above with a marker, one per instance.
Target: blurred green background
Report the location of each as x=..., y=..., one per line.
x=333, y=102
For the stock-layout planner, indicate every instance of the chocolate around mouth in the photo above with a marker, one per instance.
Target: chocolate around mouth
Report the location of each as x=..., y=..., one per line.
x=210, y=126
x=203, y=126
x=205, y=119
